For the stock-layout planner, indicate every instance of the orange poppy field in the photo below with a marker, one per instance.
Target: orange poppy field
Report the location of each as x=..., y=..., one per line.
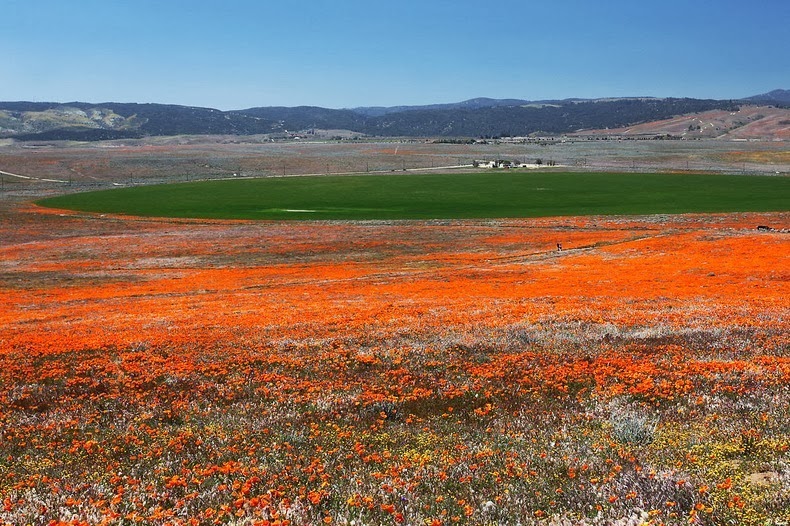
x=194, y=372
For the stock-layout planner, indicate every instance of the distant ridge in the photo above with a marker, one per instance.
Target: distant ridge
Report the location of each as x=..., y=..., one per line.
x=473, y=118
x=479, y=103
x=471, y=104
x=777, y=96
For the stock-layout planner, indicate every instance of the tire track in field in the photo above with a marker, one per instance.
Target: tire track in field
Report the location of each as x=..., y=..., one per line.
x=31, y=178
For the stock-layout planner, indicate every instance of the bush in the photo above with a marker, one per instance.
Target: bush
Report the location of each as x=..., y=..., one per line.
x=632, y=427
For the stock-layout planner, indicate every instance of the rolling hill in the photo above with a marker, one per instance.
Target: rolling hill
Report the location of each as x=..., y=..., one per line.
x=748, y=122
x=777, y=96
x=472, y=118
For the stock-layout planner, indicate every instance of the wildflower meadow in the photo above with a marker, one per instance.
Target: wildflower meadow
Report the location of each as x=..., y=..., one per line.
x=214, y=372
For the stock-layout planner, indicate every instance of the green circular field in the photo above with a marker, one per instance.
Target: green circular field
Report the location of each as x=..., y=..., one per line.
x=440, y=196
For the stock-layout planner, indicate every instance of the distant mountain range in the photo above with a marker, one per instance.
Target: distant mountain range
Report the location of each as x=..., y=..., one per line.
x=777, y=96
x=481, y=117
x=471, y=104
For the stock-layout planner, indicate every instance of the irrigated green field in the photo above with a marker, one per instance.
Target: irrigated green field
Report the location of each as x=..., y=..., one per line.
x=441, y=196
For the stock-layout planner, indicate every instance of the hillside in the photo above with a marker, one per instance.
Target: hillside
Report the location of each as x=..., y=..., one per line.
x=779, y=97
x=471, y=104
x=748, y=122
x=473, y=118
x=85, y=121
x=564, y=117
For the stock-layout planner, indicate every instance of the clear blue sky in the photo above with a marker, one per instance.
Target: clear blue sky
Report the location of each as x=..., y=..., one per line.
x=233, y=54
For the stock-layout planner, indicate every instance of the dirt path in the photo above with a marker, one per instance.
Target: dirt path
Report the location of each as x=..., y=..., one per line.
x=30, y=178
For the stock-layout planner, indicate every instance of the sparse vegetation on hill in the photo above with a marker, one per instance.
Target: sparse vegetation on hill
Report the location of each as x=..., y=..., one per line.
x=78, y=121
